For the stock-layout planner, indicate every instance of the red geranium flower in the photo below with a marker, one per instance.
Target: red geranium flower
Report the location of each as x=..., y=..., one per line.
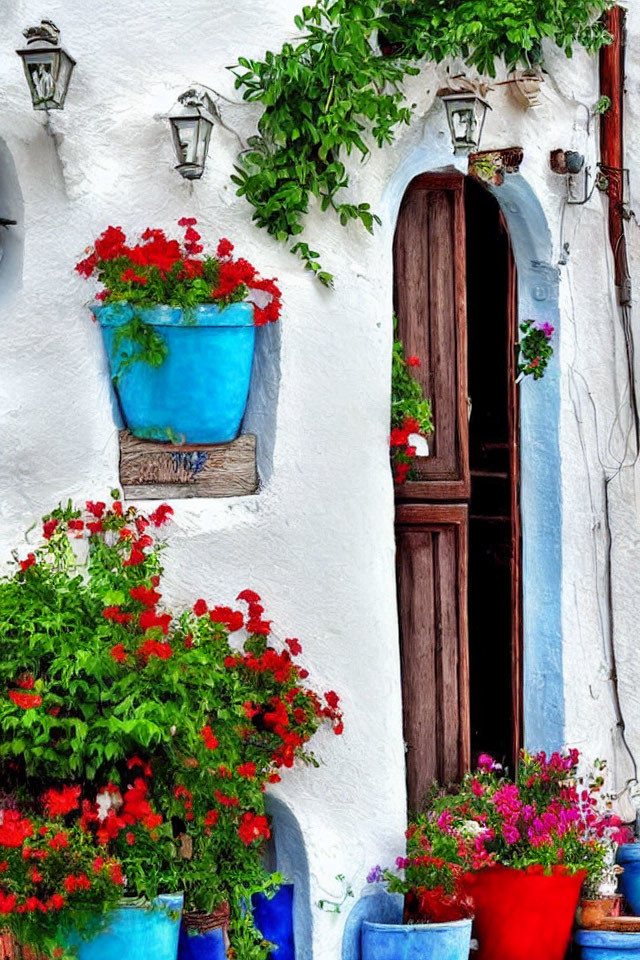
x=25, y=700
x=150, y=619
x=294, y=646
x=118, y=653
x=29, y=562
x=49, y=527
x=60, y=802
x=253, y=827
x=210, y=739
x=147, y=596
x=161, y=514
x=200, y=608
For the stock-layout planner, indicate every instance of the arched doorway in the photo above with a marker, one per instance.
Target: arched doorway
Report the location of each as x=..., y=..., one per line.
x=458, y=521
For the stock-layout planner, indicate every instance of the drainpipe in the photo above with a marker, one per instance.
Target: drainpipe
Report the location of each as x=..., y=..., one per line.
x=612, y=181
x=612, y=79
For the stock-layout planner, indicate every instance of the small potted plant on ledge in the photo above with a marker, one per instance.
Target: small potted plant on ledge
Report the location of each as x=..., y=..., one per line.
x=136, y=747
x=437, y=908
x=179, y=330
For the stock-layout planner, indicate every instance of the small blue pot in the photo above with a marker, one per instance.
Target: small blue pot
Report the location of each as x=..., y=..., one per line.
x=274, y=919
x=135, y=931
x=199, y=393
x=427, y=941
x=608, y=945
x=629, y=883
x=201, y=946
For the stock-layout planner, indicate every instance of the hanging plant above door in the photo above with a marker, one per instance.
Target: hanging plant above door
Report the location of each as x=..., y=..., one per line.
x=179, y=330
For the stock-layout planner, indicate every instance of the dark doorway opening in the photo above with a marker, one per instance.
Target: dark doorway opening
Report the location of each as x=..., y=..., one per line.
x=494, y=530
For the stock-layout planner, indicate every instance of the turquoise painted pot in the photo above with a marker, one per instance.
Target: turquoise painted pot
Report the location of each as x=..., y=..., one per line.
x=135, y=931
x=199, y=393
x=629, y=883
x=608, y=945
x=428, y=941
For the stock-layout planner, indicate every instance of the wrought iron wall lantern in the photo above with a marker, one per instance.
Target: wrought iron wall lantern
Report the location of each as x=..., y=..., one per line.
x=47, y=66
x=466, y=113
x=191, y=126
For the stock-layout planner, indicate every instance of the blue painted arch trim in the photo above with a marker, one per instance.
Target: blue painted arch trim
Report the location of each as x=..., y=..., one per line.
x=541, y=478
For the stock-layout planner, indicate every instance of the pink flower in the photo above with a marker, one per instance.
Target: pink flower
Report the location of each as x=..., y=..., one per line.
x=511, y=834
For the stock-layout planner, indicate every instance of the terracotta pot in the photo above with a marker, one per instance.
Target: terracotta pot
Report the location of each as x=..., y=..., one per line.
x=591, y=912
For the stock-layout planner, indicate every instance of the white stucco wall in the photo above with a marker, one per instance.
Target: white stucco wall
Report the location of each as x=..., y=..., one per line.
x=317, y=542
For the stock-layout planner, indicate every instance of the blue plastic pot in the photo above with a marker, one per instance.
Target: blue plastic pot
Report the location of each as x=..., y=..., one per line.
x=274, y=919
x=199, y=393
x=136, y=930
x=428, y=941
x=607, y=945
x=629, y=883
x=201, y=946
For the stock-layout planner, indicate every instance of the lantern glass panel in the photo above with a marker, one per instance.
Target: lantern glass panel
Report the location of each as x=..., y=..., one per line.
x=191, y=141
x=466, y=114
x=48, y=72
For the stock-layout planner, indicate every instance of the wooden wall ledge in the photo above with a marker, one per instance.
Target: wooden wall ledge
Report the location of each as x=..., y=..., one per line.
x=150, y=470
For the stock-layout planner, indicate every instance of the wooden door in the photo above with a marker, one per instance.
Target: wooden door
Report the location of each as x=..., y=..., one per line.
x=432, y=510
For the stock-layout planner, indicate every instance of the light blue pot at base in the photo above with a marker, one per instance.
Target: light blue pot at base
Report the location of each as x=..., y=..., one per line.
x=629, y=883
x=198, y=394
x=137, y=932
x=429, y=941
x=608, y=945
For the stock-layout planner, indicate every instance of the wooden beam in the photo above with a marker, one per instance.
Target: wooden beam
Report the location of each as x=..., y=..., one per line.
x=151, y=470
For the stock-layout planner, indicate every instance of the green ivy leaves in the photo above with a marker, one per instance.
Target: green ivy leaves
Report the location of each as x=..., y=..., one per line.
x=334, y=92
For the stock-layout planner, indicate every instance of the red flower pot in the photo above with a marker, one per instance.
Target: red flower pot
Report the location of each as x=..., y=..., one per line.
x=523, y=914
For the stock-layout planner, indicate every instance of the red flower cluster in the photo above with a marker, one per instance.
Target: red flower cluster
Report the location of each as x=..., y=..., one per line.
x=60, y=802
x=404, y=451
x=253, y=827
x=172, y=265
x=26, y=701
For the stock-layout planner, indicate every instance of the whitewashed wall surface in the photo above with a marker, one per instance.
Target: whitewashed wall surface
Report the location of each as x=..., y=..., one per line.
x=317, y=542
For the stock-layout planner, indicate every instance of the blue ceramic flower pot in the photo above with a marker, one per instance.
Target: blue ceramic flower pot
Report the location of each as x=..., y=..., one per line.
x=629, y=883
x=198, y=394
x=201, y=946
x=274, y=919
x=136, y=930
x=428, y=941
x=607, y=945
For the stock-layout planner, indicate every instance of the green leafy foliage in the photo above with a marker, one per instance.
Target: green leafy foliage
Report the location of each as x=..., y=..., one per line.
x=333, y=92
x=410, y=411
x=145, y=738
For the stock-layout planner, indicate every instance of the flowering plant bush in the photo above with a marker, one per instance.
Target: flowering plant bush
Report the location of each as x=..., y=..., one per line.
x=410, y=411
x=545, y=821
x=153, y=736
x=534, y=349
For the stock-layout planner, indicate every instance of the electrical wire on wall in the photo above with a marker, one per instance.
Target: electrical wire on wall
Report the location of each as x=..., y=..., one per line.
x=620, y=451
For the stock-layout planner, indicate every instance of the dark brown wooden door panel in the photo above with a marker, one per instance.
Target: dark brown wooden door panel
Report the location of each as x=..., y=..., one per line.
x=430, y=304
x=432, y=576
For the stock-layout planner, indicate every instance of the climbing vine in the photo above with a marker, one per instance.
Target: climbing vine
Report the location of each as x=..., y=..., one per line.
x=335, y=92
